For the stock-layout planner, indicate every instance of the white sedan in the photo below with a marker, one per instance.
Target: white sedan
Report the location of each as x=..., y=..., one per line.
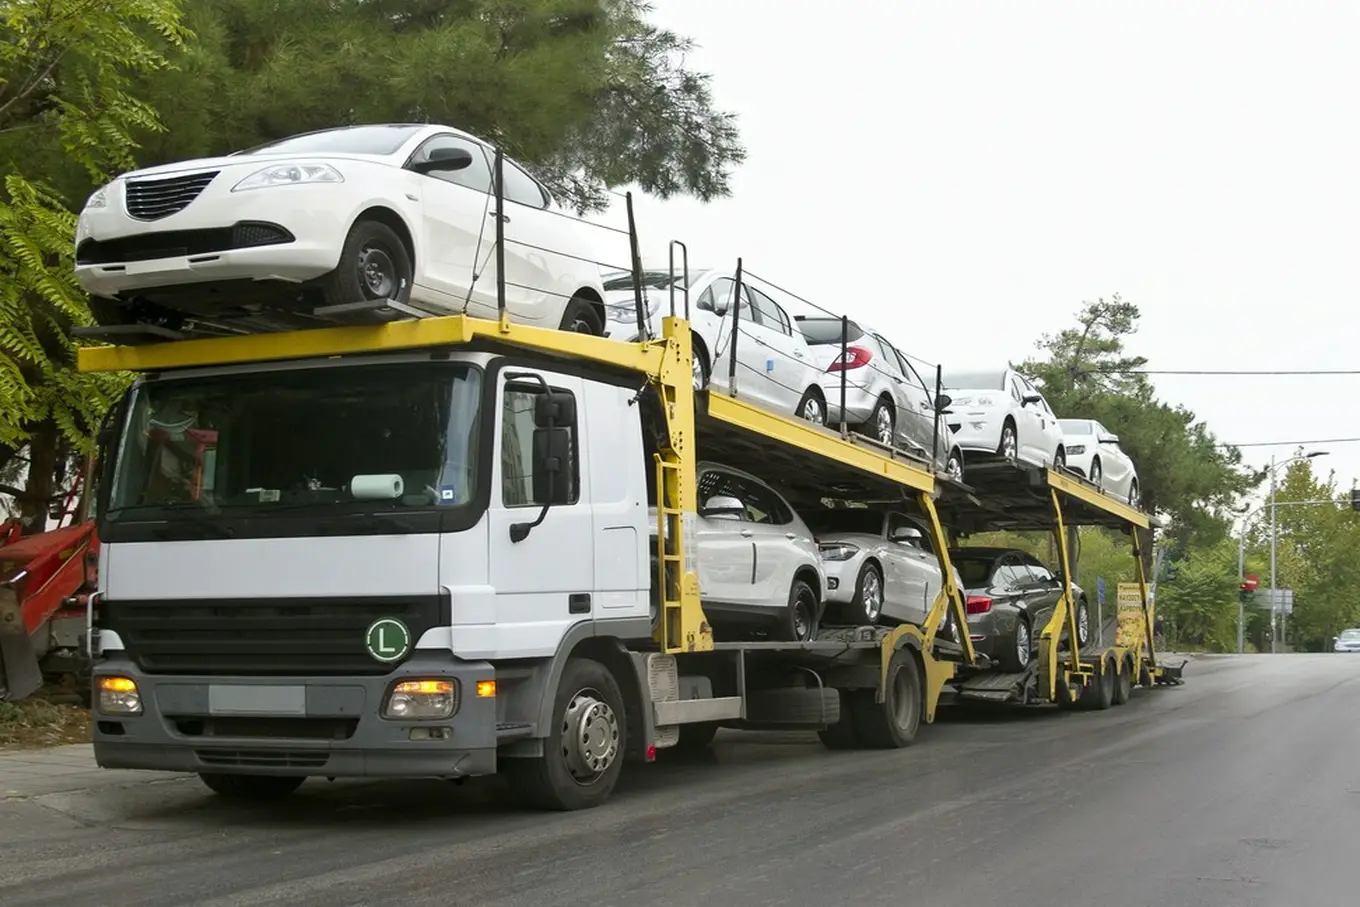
x=1093, y=451
x=331, y=226
x=1000, y=411
x=775, y=368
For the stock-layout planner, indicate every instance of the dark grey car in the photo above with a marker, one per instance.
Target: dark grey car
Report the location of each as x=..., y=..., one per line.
x=1010, y=598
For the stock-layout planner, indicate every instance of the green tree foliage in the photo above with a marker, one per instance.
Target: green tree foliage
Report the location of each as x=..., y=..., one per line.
x=1182, y=472
x=586, y=91
x=1316, y=547
x=1199, y=604
x=67, y=120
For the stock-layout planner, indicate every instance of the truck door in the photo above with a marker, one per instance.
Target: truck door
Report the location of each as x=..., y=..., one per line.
x=545, y=582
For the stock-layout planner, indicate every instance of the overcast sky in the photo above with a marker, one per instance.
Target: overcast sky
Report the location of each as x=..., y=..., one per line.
x=963, y=175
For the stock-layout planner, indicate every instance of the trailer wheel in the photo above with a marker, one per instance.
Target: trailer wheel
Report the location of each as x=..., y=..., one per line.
x=251, y=788
x=1099, y=694
x=892, y=723
x=583, y=753
x=1123, y=683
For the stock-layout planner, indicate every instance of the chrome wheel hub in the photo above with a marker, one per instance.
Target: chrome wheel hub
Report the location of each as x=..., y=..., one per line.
x=1022, y=642
x=883, y=423
x=697, y=371
x=590, y=736
x=873, y=595
x=812, y=411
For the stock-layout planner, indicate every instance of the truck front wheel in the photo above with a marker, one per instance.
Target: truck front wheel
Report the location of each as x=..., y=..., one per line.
x=583, y=753
x=254, y=788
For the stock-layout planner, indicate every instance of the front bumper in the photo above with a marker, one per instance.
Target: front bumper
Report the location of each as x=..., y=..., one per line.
x=323, y=726
x=117, y=253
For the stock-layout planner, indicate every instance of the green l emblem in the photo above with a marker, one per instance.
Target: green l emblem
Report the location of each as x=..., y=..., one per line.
x=388, y=639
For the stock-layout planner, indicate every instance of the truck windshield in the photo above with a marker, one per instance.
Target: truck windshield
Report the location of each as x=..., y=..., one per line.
x=364, y=438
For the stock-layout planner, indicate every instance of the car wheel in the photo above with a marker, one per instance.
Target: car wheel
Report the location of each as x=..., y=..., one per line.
x=812, y=407
x=953, y=467
x=1009, y=448
x=868, y=602
x=1060, y=460
x=580, y=317
x=1016, y=656
x=1083, y=624
x=1096, y=475
x=1134, y=500
x=800, y=618
x=699, y=367
x=884, y=423
x=374, y=264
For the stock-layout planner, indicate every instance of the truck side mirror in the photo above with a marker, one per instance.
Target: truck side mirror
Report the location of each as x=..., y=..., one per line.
x=552, y=453
x=552, y=409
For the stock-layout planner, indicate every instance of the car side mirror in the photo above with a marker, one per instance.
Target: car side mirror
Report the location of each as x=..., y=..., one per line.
x=1028, y=399
x=444, y=160
x=723, y=506
x=721, y=307
x=905, y=535
x=942, y=402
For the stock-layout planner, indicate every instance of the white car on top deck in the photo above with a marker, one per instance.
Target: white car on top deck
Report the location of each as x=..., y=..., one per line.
x=1093, y=452
x=1000, y=411
x=262, y=238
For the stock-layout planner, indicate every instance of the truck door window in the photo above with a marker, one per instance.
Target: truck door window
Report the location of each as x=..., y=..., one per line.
x=517, y=449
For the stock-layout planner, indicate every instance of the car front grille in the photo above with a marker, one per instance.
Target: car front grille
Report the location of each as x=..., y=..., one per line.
x=263, y=637
x=176, y=243
x=153, y=199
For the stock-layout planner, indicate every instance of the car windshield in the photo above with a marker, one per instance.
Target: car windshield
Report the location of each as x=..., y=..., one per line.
x=982, y=381
x=1349, y=635
x=855, y=519
x=826, y=331
x=974, y=570
x=1077, y=426
x=365, y=438
x=346, y=140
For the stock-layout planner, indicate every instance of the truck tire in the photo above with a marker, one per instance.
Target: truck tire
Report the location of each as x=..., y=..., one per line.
x=841, y=735
x=583, y=753
x=1123, y=684
x=251, y=788
x=892, y=723
x=1099, y=694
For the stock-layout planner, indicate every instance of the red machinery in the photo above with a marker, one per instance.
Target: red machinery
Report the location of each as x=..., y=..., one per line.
x=44, y=579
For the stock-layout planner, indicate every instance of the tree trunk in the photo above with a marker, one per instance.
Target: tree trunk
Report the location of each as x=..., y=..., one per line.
x=41, y=485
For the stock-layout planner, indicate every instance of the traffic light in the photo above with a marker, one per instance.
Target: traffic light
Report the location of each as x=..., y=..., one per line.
x=1355, y=499
x=1244, y=592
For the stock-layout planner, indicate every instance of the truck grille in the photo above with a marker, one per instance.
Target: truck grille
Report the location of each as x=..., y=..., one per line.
x=263, y=637
x=152, y=199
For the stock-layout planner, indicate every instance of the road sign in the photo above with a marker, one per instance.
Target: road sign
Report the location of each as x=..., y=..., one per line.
x=1280, y=601
x=1100, y=590
x=387, y=639
x=1253, y=582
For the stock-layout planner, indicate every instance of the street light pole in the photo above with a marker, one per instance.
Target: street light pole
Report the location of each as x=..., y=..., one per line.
x=1241, y=578
x=1272, y=554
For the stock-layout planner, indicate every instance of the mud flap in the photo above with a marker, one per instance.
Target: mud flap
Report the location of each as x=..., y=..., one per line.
x=1170, y=676
x=20, y=675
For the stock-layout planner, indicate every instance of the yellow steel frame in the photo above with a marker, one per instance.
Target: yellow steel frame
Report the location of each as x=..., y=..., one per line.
x=1088, y=495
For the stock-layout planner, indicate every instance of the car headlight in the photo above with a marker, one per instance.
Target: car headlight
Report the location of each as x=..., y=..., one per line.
x=289, y=175
x=838, y=552
x=100, y=198
x=119, y=696
x=1077, y=450
x=417, y=699
x=626, y=312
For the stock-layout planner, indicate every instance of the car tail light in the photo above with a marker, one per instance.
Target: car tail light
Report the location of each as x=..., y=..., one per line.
x=855, y=357
x=977, y=604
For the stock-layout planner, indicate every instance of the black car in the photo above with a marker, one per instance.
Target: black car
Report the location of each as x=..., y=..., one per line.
x=1010, y=598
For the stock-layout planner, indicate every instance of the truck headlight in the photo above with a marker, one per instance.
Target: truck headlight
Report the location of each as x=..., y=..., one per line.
x=289, y=175
x=421, y=699
x=119, y=696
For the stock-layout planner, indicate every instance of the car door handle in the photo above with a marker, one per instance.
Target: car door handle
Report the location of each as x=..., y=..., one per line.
x=790, y=535
x=746, y=533
x=505, y=218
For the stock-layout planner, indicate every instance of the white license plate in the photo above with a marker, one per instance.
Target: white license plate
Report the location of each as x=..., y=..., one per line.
x=240, y=699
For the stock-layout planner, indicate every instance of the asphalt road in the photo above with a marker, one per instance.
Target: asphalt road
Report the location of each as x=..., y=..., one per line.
x=1240, y=788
